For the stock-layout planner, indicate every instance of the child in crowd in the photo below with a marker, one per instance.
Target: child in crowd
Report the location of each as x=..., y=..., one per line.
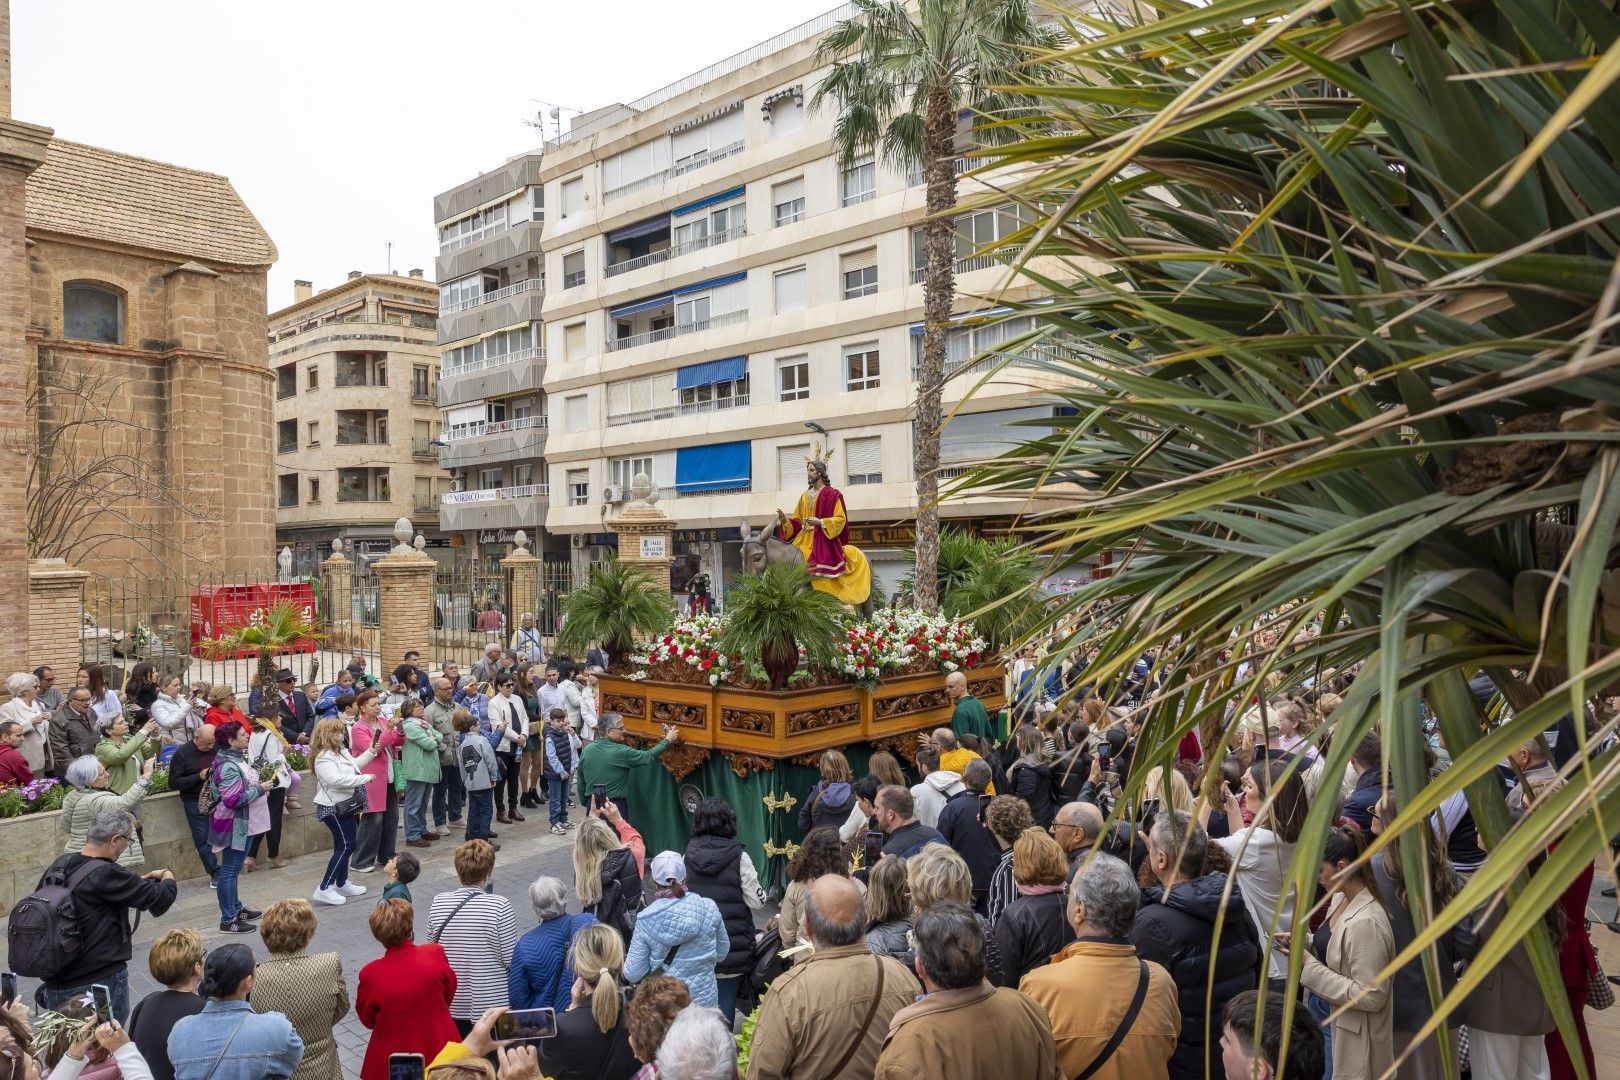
x=402, y=869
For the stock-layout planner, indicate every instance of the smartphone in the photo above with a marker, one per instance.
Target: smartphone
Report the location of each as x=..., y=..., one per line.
x=8, y=987
x=872, y=848
x=103, y=999
x=1105, y=754
x=526, y=1025
x=406, y=1067
x=598, y=796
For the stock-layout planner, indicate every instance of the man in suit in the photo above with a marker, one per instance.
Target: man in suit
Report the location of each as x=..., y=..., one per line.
x=297, y=714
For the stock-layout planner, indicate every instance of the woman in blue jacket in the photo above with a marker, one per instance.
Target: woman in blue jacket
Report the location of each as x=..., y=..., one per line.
x=542, y=970
x=680, y=932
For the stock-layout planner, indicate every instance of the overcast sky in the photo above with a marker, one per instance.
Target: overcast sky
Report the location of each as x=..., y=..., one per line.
x=339, y=121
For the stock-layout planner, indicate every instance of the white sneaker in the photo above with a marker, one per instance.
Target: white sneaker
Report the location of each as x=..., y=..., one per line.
x=329, y=896
x=352, y=889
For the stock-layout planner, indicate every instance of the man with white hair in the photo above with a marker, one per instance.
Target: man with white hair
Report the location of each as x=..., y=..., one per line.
x=73, y=730
x=1114, y=1016
x=485, y=669
x=697, y=1046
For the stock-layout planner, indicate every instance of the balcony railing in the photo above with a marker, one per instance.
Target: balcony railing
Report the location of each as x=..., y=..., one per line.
x=473, y=237
x=485, y=363
x=676, y=250
x=534, y=284
x=858, y=197
x=425, y=504
x=735, y=401
x=286, y=501
x=494, y=427
x=668, y=332
x=423, y=393
x=364, y=496
x=691, y=164
x=362, y=439
x=283, y=391
x=997, y=257
x=422, y=448
x=526, y=491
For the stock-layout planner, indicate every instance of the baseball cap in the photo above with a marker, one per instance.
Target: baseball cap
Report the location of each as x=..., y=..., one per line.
x=667, y=867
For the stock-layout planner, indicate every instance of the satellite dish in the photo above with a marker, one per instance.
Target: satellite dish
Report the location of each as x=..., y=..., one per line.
x=690, y=796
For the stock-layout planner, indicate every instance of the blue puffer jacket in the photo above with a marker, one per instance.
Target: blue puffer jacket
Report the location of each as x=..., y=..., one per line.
x=693, y=926
x=537, y=959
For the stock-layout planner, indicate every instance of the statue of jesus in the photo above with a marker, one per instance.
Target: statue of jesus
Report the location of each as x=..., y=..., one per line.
x=819, y=529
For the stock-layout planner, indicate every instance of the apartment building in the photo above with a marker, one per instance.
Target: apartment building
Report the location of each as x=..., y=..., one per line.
x=357, y=418
x=718, y=283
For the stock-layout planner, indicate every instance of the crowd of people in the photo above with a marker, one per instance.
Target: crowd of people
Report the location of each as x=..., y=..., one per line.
x=1011, y=913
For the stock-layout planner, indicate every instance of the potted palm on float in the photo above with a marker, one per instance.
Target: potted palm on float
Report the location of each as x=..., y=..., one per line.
x=617, y=604
x=277, y=630
x=774, y=615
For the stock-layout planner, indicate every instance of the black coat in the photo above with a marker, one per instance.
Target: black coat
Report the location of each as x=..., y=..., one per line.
x=1033, y=784
x=1178, y=933
x=959, y=824
x=910, y=838
x=1069, y=772
x=714, y=871
x=296, y=721
x=1029, y=932
x=580, y=1050
x=186, y=769
x=103, y=900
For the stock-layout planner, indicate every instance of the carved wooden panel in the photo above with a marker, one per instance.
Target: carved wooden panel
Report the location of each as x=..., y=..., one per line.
x=828, y=716
x=680, y=714
x=681, y=759
x=986, y=689
x=892, y=708
x=742, y=763
x=905, y=746
x=631, y=707
x=752, y=721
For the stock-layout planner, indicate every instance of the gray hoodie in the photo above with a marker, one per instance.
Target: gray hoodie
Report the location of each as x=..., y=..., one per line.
x=930, y=795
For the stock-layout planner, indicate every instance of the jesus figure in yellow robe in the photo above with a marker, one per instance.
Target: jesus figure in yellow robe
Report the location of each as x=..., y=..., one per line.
x=819, y=529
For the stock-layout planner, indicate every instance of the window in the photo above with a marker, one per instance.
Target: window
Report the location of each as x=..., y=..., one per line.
x=712, y=226
x=287, y=489
x=286, y=381
x=574, y=413
x=573, y=196
x=651, y=397
x=92, y=313
x=787, y=201
x=624, y=470
x=712, y=396
x=863, y=460
x=286, y=436
x=691, y=312
x=314, y=489
x=472, y=228
x=694, y=147
x=573, y=269
x=790, y=475
x=421, y=383
x=466, y=292
x=522, y=475
x=579, y=487
x=504, y=347
x=312, y=378
x=858, y=183
x=489, y=478
x=861, y=366
x=859, y=270
x=424, y=494
x=789, y=289
x=574, y=341
x=793, y=377
x=312, y=433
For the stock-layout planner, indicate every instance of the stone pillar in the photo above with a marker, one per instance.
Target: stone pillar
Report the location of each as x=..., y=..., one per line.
x=523, y=571
x=405, y=599
x=645, y=533
x=55, y=615
x=22, y=150
x=337, y=574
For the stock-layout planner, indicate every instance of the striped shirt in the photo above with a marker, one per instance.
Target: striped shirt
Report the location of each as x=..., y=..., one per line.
x=478, y=943
x=1003, y=888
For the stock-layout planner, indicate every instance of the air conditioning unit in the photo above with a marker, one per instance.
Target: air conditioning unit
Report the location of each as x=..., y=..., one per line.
x=578, y=541
x=612, y=494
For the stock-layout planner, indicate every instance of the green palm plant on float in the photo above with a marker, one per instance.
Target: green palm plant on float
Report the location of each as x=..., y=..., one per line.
x=771, y=616
x=901, y=76
x=617, y=604
x=1339, y=337
x=273, y=632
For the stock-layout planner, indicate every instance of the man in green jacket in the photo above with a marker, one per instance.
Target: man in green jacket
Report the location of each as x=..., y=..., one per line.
x=968, y=717
x=608, y=759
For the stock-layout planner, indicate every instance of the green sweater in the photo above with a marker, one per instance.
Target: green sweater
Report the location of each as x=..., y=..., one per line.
x=608, y=763
x=397, y=890
x=969, y=718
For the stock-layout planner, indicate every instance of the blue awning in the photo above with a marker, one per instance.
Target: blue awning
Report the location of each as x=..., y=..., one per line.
x=713, y=283
x=643, y=305
x=724, y=196
x=715, y=371
x=719, y=467
x=640, y=228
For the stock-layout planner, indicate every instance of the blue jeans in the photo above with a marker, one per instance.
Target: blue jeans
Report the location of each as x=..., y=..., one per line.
x=199, y=836
x=480, y=811
x=727, y=986
x=230, y=868
x=448, y=795
x=117, y=983
x=343, y=843
x=557, y=792
x=1320, y=1009
x=418, y=797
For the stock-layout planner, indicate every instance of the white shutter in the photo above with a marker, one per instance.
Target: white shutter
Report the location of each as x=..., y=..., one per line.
x=573, y=263
x=863, y=457
x=622, y=170
x=790, y=467
x=464, y=414
x=727, y=129
x=661, y=390
x=790, y=290
x=851, y=261
x=691, y=141
x=573, y=196
x=787, y=191
x=727, y=299
x=574, y=341
x=636, y=399
x=574, y=413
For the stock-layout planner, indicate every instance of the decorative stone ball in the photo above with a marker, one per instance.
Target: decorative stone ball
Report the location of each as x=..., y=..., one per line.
x=643, y=489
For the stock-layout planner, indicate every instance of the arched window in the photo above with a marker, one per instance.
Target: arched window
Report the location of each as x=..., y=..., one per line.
x=92, y=313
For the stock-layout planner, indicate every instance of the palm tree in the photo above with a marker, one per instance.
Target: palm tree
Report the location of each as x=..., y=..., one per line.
x=618, y=603
x=902, y=75
x=273, y=632
x=1342, y=395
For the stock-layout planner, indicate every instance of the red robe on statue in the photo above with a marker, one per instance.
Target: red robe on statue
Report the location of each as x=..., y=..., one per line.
x=826, y=555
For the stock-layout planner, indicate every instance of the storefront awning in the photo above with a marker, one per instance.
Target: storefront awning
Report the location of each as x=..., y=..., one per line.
x=730, y=369
x=718, y=467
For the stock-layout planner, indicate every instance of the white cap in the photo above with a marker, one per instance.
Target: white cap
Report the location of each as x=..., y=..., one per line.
x=668, y=866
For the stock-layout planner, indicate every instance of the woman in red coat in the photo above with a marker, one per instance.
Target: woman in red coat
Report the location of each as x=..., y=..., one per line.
x=404, y=996
x=222, y=708
x=1576, y=962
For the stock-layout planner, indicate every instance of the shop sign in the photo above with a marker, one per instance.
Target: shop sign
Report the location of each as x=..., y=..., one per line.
x=716, y=535
x=882, y=535
x=495, y=536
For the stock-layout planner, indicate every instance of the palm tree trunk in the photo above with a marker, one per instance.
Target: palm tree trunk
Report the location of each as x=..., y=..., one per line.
x=939, y=289
x=265, y=677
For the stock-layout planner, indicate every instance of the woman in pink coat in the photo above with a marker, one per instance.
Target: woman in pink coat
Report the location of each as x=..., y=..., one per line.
x=379, y=824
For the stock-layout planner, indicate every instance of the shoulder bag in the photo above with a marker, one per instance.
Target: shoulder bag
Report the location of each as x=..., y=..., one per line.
x=866, y=1023
x=465, y=900
x=1125, y=1024
x=212, y=1069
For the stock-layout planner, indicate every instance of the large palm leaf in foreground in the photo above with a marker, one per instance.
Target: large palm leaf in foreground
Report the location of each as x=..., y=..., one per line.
x=1326, y=379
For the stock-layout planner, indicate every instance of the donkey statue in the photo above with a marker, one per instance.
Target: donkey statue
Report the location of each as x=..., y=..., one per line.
x=765, y=548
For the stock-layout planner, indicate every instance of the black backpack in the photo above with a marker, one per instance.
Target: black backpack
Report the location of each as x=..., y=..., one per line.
x=42, y=937
x=765, y=963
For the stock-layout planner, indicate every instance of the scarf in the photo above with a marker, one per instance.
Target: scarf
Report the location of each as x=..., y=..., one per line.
x=1038, y=890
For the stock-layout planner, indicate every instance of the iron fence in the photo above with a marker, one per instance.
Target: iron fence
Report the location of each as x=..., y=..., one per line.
x=472, y=607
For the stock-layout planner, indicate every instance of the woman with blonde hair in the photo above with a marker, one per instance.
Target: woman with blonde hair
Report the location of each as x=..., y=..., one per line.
x=307, y=990
x=1154, y=796
x=592, y=1038
x=888, y=908
x=609, y=858
x=338, y=775
x=937, y=874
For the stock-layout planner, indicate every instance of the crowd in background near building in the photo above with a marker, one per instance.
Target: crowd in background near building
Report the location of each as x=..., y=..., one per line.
x=986, y=920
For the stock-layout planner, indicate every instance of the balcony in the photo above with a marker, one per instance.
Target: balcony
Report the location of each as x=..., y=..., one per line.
x=492, y=377
x=495, y=508
x=500, y=247
x=424, y=394
x=735, y=401
x=489, y=442
x=998, y=257
x=425, y=504
x=712, y=322
x=520, y=304
x=677, y=251
x=423, y=448
x=680, y=168
x=286, y=446
x=504, y=180
x=536, y=284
